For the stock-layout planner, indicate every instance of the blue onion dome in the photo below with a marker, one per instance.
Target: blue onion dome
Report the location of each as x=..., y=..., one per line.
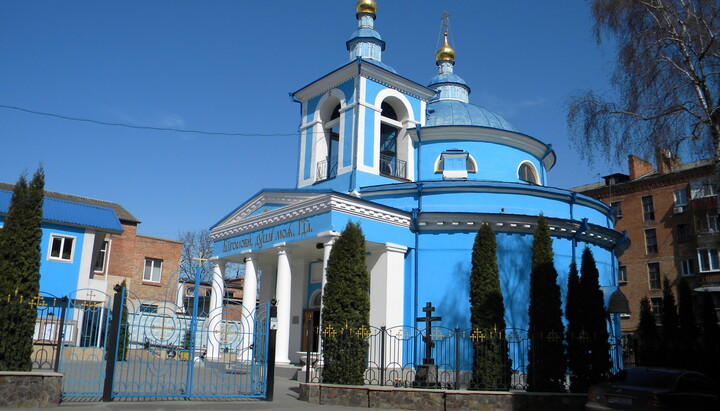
x=365, y=43
x=451, y=106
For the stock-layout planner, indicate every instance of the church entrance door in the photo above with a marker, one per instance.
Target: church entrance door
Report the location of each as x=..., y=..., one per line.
x=314, y=315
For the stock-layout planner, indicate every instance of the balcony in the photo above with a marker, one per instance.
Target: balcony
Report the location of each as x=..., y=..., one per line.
x=326, y=169
x=392, y=167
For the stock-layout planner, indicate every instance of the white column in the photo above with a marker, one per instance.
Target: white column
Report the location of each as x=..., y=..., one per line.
x=216, y=310
x=248, y=312
x=282, y=294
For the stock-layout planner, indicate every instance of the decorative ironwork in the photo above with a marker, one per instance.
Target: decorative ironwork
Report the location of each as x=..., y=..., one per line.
x=393, y=166
x=327, y=168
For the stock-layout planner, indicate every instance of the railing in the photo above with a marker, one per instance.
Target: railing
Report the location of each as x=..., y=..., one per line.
x=464, y=358
x=392, y=166
x=327, y=168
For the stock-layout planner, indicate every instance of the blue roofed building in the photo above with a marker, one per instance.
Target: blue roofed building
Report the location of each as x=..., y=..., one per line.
x=420, y=168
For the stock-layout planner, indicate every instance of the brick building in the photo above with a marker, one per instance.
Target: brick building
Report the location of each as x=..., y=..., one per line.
x=670, y=215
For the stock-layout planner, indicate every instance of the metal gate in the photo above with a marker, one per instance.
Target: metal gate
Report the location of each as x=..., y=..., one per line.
x=177, y=346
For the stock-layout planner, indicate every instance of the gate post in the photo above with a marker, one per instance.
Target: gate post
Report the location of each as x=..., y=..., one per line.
x=112, y=346
x=60, y=333
x=271, y=352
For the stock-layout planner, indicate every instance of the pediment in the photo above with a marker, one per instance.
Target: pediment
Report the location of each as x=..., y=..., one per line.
x=263, y=203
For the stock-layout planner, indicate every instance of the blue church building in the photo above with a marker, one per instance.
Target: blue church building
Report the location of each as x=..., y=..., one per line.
x=420, y=168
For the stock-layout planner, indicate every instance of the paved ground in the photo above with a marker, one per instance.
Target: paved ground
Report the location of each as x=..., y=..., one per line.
x=285, y=398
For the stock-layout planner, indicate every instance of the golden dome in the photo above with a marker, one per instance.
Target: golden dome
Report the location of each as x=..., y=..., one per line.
x=366, y=6
x=445, y=53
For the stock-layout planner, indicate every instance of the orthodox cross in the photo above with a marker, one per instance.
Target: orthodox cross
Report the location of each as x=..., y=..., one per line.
x=428, y=319
x=162, y=328
x=445, y=17
x=90, y=303
x=200, y=259
x=225, y=332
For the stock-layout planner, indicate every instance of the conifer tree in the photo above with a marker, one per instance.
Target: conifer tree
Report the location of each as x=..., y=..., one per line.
x=595, y=320
x=689, y=333
x=546, y=356
x=576, y=337
x=491, y=365
x=20, y=271
x=670, y=326
x=346, y=309
x=710, y=338
x=124, y=337
x=647, y=333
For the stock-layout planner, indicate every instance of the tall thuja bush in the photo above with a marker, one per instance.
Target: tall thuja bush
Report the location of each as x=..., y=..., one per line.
x=20, y=272
x=491, y=365
x=647, y=336
x=689, y=333
x=670, y=327
x=124, y=337
x=546, y=368
x=576, y=337
x=346, y=309
x=595, y=320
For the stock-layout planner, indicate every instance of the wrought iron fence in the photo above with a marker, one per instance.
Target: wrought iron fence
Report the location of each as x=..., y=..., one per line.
x=327, y=168
x=392, y=166
x=395, y=354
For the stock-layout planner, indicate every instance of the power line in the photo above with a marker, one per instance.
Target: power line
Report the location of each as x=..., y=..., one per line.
x=177, y=130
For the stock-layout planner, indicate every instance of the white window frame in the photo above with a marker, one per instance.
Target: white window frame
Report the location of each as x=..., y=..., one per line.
x=106, y=256
x=648, y=245
x=533, y=171
x=680, y=197
x=712, y=223
x=152, y=269
x=659, y=278
x=687, y=267
x=708, y=264
x=622, y=274
x=53, y=236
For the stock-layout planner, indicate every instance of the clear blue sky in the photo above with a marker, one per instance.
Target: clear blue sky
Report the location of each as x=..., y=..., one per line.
x=228, y=66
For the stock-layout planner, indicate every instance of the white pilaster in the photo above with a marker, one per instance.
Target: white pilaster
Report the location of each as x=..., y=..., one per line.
x=282, y=293
x=248, y=303
x=216, y=309
x=387, y=285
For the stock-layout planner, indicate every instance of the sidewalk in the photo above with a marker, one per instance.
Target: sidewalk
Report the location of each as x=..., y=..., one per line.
x=285, y=397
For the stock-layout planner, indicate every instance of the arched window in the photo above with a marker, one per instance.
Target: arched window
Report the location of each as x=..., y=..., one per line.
x=526, y=172
x=455, y=164
x=315, y=299
x=390, y=127
x=327, y=151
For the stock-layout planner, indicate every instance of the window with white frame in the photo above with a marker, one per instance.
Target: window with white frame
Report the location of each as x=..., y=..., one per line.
x=153, y=270
x=526, y=172
x=680, y=197
x=656, y=307
x=706, y=222
x=455, y=163
x=687, y=268
x=102, y=257
x=708, y=259
x=651, y=246
x=648, y=208
x=622, y=274
x=617, y=206
x=61, y=248
x=701, y=188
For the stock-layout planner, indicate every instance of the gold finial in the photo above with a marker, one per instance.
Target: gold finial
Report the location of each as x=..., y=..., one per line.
x=366, y=6
x=445, y=53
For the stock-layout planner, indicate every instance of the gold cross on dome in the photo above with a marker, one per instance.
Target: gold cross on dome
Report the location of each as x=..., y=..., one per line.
x=445, y=17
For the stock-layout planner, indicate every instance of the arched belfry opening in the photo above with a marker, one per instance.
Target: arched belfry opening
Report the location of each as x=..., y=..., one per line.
x=327, y=144
x=393, y=138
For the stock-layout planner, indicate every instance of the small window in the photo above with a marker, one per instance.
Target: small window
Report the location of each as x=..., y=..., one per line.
x=622, y=274
x=148, y=308
x=654, y=276
x=708, y=259
x=61, y=248
x=656, y=307
x=648, y=208
x=680, y=198
x=102, y=257
x=683, y=233
x=455, y=164
x=153, y=270
x=617, y=206
x=526, y=172
x=687, y=268
x=651, y=246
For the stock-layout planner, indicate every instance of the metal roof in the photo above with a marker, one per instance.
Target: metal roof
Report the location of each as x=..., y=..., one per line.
x=72, y=213
x=457, y=113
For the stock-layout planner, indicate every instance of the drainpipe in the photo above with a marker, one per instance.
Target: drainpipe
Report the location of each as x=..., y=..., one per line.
x=299, y=141
x=355, y=154
x=416, y=216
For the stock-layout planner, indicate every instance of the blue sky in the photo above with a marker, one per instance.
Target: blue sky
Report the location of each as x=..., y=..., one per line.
x=228, y=66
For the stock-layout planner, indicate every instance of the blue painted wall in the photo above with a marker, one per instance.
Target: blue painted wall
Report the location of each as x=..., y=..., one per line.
x=59, y=277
